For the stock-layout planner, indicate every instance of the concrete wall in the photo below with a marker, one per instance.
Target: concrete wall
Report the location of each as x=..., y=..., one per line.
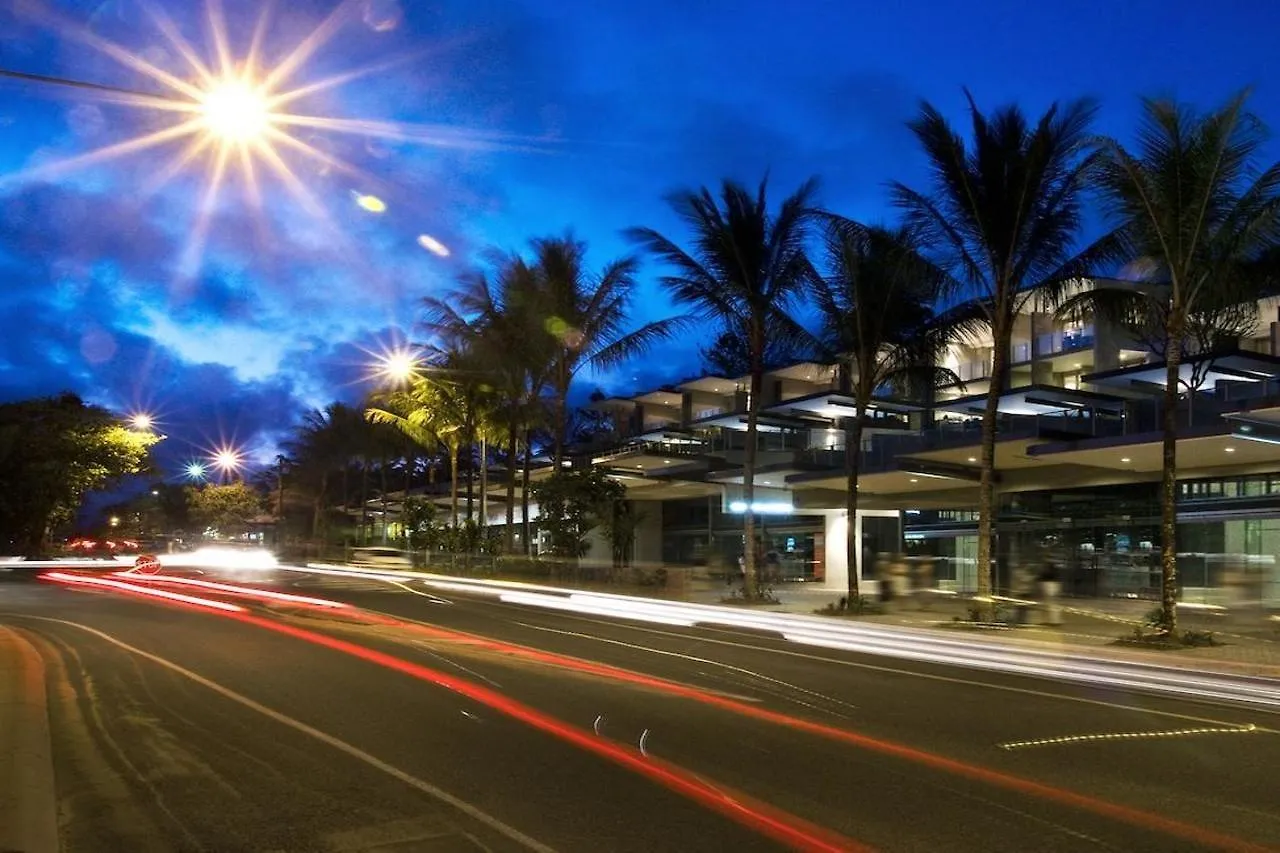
x=836, y=533
x=648, y=545
x=599, y=551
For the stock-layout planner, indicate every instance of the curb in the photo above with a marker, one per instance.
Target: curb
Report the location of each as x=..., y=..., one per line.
x=28, y=801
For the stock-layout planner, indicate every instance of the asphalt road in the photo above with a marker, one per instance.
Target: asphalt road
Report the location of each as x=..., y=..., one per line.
x=410, y=721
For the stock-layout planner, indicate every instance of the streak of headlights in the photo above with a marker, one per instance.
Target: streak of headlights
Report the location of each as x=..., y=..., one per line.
x=221, y=558
x=87, y=580
x=905, y=643
x=230, y=589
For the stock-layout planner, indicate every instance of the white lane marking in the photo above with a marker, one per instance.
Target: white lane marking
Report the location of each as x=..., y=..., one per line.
x=644, y=738
x=375, y=584
x=1113, y=736
x=1026, y=691
x=434, y=599
x=340, y=745
x=696, y=659
x=596, y=725
x=428, y=650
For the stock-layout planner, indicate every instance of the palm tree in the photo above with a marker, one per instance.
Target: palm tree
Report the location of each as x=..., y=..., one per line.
x=586, y=316
x=1194, y=211
x=498, y=319
x=876, y=307
x=1001, y=216
x=320, y=446
x=745, y=267
x=430, y=411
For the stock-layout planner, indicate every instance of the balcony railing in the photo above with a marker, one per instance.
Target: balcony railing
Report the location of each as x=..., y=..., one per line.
x=1067, y=340
x=972, y=370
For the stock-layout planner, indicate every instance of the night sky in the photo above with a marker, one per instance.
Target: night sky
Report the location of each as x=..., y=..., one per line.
x=528, y=118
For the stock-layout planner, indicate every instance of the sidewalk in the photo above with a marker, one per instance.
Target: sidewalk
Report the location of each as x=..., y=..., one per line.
x=1249, y=637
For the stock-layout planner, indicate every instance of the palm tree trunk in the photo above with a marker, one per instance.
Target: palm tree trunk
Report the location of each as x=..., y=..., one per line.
x=408, y=486
x=484, y=481
x=364, y=500
x=561, y=412
x=524, y=489
x=454, y=452
x=1169, y=485
x=382, y=475
x=852, y=460
x=750, y=589
x=512, y=446
x=346, y=497
x=987, y=482
x=317, y=513
x=471, y=463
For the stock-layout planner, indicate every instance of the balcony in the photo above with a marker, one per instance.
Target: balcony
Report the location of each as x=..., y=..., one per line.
x=970, y=371
x=1067, y=340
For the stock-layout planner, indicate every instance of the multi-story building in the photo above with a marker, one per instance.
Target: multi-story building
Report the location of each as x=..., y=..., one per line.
x=1078, y=465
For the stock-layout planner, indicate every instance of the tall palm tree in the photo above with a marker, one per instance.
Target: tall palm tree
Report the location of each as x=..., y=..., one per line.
x=586, y=316
x=1193, y=206
x=876, y=308
x=745, y=267
x=1002, y=216
x=498, y=318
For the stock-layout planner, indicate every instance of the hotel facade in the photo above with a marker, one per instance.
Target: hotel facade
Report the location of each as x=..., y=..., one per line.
x=1078, y=466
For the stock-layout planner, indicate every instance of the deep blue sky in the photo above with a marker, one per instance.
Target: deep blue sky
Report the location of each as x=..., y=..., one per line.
x=589, y=113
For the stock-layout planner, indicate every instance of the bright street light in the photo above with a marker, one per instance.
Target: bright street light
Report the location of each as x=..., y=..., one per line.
x=399, y=366
x=227, y=460
x=195, y=471
x=141, y=422
x=236, y=111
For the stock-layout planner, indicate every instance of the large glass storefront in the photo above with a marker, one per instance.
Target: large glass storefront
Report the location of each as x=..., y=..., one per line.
x=1106, y=541
x=697, y=532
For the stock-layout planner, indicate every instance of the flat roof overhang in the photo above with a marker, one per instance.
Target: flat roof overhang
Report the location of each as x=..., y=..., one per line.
x=1230, y=366
x=710, y=384
x=1036, y=400
x=1200, y=449
x=826, y=404
x=765, y=422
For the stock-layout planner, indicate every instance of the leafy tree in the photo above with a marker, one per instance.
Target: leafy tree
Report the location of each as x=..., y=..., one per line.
x=620, y=520
x=745, y=268
x=571, y=503
x=1192, y=208
x=1002, y=216
x=228, y=510
x=875, y=303
x=53, y=452
x=418, y=518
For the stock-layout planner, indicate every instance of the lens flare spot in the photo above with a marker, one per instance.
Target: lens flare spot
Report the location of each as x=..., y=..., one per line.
x=382, y=16
x=371, y=203
x=97, y=346
x=432, y=245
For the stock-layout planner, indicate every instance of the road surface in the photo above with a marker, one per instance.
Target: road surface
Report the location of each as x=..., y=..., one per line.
x=413, y=720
